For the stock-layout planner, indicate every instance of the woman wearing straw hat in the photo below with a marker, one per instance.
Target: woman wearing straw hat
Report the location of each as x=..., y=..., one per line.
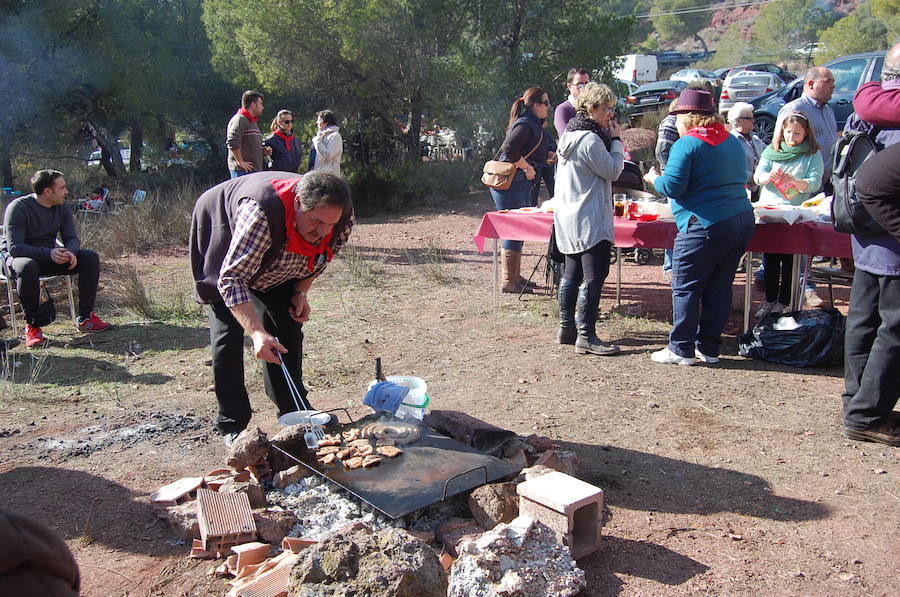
x=705, y=179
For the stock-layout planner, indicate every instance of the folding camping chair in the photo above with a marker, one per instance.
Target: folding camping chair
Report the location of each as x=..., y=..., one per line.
x=7, y=277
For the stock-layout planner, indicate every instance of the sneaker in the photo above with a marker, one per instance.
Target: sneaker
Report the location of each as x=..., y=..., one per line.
x=668, y=357
x=92, y=324
x=886, y=433
x=705, y=358
x=229, y=438
x=811, y=298
x=33, y=337
x=769, y=307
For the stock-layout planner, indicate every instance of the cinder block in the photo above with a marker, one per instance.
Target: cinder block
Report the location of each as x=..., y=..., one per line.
x=569, y=506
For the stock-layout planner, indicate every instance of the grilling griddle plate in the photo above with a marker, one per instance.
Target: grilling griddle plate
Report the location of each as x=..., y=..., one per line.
x=429, y=470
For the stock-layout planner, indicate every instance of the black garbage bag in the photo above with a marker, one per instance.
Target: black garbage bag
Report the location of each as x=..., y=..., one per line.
x=818, y=341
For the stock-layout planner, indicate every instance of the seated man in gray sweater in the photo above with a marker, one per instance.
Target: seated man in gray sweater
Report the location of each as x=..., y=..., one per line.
x=33, y=223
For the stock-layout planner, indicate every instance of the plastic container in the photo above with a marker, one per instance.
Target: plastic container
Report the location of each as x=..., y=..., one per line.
x=414, y=404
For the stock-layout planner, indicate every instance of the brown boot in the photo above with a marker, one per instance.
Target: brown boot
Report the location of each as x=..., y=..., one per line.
x=510, y=262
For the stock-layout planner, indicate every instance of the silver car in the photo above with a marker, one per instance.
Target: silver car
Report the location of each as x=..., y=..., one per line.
x=745, y=86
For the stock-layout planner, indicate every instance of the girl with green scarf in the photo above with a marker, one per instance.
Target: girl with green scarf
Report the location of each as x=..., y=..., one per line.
x=789, y=172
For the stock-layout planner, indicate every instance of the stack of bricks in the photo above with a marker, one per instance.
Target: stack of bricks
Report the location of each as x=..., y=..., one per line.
x=569, y=506
x=225, y=520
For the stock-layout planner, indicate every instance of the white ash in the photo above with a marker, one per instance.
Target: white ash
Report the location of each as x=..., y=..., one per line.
x=521, y=558
x=323, y=508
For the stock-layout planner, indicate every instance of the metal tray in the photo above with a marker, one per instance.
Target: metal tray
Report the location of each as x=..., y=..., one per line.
x=429, y=470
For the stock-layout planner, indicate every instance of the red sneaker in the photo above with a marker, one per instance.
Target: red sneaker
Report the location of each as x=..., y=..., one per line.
x=33, y=336
x=92, y=324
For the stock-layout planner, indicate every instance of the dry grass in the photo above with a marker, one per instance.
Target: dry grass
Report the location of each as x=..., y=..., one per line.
x=161, y=220
x=433, y=266
x=363, y=272
x=130, y=294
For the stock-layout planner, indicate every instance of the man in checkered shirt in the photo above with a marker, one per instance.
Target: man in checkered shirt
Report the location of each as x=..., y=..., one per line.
x=258, y=242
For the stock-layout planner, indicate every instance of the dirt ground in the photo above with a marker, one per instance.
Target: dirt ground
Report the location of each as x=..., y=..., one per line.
x=722, y=480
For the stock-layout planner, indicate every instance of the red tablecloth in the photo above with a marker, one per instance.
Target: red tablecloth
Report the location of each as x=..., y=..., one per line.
x=808, y=238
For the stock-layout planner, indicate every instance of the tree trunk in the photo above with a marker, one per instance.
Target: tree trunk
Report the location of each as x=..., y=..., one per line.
x=137, y=148
x=702, y=43
x=6, y=167
x=414, y=135
x=110, y=152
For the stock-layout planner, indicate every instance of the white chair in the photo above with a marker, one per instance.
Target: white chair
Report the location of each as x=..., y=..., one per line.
x=95, y=205
x=6, y=277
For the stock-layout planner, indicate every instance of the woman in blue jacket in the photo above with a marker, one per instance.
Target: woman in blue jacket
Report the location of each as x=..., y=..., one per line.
x=704, y=178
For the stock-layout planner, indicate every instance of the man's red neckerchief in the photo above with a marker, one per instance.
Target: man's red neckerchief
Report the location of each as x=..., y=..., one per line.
x=246, y=114
x=294, y=242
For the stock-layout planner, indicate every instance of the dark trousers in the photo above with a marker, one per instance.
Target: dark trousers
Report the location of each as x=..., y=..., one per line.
x=29, y=271
x=778, y=274
x=590, y=265
x=226, y=338
x=703, y=266
x=871, y=350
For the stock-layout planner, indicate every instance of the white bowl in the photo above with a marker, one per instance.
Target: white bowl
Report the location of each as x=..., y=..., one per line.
x=307, y=417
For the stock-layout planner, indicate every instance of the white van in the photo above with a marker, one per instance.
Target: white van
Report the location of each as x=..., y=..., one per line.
x=637, y=68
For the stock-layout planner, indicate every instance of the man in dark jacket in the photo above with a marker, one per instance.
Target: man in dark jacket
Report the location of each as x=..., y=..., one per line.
x=33, y=224
x=872, y=337
x=258, y=243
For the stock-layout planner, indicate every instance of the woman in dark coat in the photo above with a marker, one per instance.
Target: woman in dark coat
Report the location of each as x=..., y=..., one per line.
x=286, y=151
x=527, y=147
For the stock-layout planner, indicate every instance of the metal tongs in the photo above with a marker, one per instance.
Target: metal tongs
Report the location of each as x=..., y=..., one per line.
x=312, y=433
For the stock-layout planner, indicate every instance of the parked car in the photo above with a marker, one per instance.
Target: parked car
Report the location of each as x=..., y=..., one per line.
x=762, y=67
x=637, y=68
x=850, y=72
x=125, y=152
x=691, y=75
x=652, y=97
x=673, y=58
x=744, y=86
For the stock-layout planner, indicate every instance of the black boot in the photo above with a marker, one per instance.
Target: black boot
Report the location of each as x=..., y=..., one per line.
x=588, y=307
x=568, y=295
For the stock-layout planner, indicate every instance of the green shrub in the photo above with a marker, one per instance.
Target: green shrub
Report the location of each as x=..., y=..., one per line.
x=376, y=188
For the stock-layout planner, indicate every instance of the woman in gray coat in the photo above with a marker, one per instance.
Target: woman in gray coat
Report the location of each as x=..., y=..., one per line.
x=591, y=156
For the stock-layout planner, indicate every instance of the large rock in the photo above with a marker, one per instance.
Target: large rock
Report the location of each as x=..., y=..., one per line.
x=468, y=430
x=183, y=520
x=521, y=558
x=563, y=461
x=494, y=503
x=273, y=525
x=253, y=490
x=387, y=563
x=250, y=447
x=452, y=531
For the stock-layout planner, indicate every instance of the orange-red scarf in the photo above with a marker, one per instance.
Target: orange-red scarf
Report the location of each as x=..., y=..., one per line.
x=287, y=140
x=246, y=114
x=713, y=134
x=295, y=243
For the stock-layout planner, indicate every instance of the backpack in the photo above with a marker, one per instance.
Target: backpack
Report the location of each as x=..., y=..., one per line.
x=847, y=210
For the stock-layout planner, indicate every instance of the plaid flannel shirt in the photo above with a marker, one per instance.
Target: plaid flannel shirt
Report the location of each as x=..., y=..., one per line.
x=249, y=243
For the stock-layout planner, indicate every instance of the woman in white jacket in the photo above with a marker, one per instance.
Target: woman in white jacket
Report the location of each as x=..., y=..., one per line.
x=591, y=156
x=327, y=143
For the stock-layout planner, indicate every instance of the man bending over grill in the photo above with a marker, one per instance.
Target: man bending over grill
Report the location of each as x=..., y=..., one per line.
x=258, y=242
